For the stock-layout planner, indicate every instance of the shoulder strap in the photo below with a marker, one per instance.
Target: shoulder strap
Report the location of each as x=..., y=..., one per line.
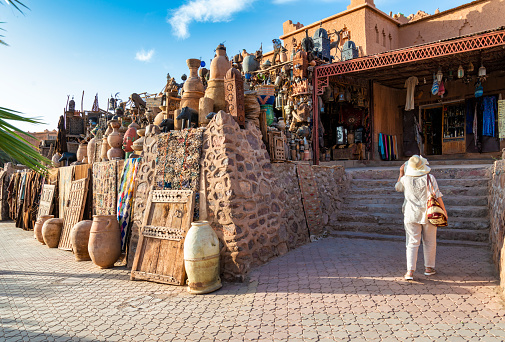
x=430, y=184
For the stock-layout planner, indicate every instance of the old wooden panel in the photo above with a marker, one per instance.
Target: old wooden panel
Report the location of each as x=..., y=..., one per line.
x=160, y=255
x=66, y=175
x=145, y=179
x=454, y=146
x=46, y=200
x=106, y=176
x=74, y=210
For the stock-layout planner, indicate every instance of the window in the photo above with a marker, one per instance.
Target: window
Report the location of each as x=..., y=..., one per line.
x=383, y=38
x=376, y=34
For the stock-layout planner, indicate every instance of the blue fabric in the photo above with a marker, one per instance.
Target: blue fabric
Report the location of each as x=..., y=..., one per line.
x=488, y=116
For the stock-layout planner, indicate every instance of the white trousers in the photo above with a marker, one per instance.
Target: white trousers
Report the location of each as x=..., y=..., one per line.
x=414, y=232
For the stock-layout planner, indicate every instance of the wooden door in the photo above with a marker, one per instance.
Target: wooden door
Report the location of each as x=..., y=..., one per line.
x=74, y=210
x=46, y=200
x=160, y=255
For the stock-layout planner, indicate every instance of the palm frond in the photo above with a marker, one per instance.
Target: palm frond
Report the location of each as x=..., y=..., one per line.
x=15, y=145
x=17, y=5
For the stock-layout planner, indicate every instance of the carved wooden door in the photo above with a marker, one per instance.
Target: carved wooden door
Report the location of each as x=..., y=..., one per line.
x=160, y=256
x=74, y=210
x=46, y=200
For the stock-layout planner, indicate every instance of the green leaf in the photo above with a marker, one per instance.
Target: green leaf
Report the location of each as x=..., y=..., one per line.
x=15, y=145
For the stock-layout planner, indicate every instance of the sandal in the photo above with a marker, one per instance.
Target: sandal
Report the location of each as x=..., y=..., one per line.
x=409, y=275
x=429, y=271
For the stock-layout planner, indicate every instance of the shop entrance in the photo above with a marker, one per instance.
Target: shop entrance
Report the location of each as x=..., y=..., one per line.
x=432, y=129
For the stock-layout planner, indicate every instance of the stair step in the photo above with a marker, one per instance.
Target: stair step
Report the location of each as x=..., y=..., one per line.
x=442, y=172
x=453, y=211
x=375, y=236
x=397, y=198
x=385, y=219
x=396, y=229
x=446, y=190
x=390, y=183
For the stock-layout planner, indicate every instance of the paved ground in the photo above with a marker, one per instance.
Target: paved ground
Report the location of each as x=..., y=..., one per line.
x=333, y=290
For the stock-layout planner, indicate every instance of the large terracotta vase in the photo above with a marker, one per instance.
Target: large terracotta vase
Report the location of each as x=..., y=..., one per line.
x=193, y=87
x=104, y=244
x=51, y=231
x=91, y=150
x=201, y=258
x=115, y=140
x=79, y=238
x=37, y=228
x=130, y=136
x=55, y=160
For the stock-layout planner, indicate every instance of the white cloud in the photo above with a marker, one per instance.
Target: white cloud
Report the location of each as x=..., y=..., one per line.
x=204, y=11
x=144, y=56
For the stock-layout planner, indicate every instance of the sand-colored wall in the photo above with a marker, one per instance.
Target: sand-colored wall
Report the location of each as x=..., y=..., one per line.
x=352, y=20
x=381, y=33
x=471, y=18
x=387, y=116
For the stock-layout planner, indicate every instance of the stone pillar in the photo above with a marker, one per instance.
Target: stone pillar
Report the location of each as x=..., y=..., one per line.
x=234, y=91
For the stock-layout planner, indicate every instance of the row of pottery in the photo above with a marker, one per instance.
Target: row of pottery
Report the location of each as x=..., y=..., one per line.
x=98, y=240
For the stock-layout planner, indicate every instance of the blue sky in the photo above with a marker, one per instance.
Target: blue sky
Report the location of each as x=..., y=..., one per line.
x=61, y=48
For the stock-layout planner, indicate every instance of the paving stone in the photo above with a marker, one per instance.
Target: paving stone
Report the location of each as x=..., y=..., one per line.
x=334, y=289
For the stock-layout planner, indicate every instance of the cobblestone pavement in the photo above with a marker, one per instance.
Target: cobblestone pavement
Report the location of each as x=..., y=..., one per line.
x=335, y=289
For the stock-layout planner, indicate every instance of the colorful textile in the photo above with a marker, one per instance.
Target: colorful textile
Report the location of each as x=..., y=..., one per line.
x=125, y=198
x=178, y=162
x=488, y=116
x=388, y=147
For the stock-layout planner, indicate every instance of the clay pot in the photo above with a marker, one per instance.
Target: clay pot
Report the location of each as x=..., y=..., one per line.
x=193, y=87
x=130, y=136
x=138, y=145
x=37, y=229
x=250, y=64
x=220, y=64
x=159, y=118
x=283, y=57
x=82, y=153
x=105, y=149
x=55, y=159
x=201, y=258
x=79, y=238
x=51, y=231
x=91, y=150
x=104, y=244
x=115, y=140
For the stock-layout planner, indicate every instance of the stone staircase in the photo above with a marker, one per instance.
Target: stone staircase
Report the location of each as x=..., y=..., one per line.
x=372, y=208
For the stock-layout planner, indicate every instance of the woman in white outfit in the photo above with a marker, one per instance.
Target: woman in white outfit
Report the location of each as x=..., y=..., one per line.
x=413, y=183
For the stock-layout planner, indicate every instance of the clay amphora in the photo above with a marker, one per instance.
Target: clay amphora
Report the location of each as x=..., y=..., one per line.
x=37, y=229
x=201, y=258
x=104, y=244
x=138, y=145
x=193, y=87
x=250, y=64
x=79, y=238
x=91, y=150
x=51, y=231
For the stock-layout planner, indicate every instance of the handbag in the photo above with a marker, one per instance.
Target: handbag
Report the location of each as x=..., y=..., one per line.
x=436, y=215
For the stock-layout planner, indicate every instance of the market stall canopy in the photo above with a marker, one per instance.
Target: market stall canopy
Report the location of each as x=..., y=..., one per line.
x=392, y=68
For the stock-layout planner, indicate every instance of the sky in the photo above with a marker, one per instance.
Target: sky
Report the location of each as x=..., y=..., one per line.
x=59, y=47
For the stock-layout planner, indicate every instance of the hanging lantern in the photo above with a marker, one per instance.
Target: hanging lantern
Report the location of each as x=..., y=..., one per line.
x=461, y=71
x=440, y=75
x=482, y=71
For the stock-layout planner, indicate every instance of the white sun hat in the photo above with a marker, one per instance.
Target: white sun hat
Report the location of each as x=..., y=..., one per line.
x=417, y=166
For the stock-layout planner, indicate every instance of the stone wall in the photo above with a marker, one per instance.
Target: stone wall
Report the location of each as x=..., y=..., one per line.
x=332, y=183
x=497, y=217
x=245, y=205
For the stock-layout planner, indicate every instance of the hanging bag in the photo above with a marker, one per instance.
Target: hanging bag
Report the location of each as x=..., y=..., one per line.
x=435, y=213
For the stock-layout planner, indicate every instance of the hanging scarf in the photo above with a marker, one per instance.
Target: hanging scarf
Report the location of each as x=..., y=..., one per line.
x=475, y=135
x=125, y=198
